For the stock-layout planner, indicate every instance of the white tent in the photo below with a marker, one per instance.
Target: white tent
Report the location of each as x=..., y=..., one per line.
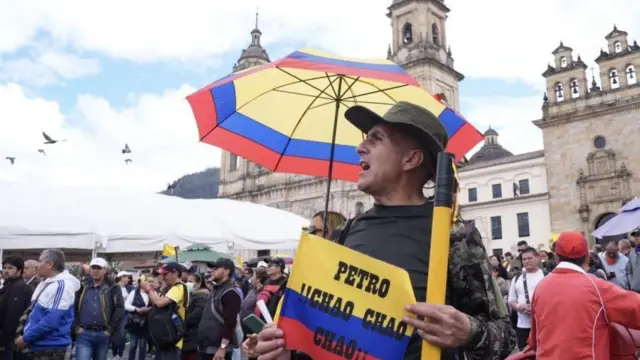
x=36, y=216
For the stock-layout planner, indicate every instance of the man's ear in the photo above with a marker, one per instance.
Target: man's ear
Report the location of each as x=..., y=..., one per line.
x=413, y=160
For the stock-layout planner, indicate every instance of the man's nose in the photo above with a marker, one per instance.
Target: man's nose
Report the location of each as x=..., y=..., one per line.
x=361, y=148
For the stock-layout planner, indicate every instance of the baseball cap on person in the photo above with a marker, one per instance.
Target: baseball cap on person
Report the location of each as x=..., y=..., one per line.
x=123, y=273
x=99, y=262
x=430, y=132
x=278, y=262
x=262, y=264
x=223, y=263
x=572, y=245
x=171, y=267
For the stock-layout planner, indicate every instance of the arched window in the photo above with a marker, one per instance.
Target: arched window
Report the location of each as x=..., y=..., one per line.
x=435, y=34
x=618, y=47
x=407, y=33
x=575, y=89
x=559, y=93
x=631, y=74
x=563, y=62
x=359, y=208
x=614, y=80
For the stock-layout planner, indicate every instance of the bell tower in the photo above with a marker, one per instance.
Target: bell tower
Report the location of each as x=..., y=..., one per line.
x=566, y=79
x=419, y=45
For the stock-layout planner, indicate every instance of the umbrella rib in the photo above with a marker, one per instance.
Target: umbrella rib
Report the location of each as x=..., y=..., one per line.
x=337, y=96
x=306, y=82
x=284, y=149
x=379, y=90
x=301, y=94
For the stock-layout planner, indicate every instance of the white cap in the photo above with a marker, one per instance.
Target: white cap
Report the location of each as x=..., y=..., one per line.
x=262, y=264
x=99, y=262
x=123, y=273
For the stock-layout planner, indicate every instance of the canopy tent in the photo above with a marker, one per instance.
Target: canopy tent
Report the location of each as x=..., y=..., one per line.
x=120, y=221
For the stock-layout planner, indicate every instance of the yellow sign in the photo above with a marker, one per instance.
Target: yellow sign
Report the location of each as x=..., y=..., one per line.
x=341, y=304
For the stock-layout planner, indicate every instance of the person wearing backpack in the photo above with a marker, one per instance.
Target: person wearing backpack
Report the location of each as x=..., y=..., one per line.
x=273, y=288
x=166, y=319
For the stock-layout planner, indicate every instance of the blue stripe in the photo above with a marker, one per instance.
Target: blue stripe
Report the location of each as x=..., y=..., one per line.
x=451, y=121
x=392, y=68
x=296, y=307
x=58, y=297
x=277, y=142
x=224, y=97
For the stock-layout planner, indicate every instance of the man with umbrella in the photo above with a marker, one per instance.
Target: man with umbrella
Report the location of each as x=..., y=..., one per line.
x=397, y=159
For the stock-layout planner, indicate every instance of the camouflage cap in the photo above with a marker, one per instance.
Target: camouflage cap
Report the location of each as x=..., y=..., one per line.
x=430, y=132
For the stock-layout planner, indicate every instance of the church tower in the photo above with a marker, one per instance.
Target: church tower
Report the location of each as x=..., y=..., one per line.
x=419, y=45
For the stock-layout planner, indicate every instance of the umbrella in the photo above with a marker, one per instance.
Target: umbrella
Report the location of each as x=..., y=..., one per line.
x=627, y=220
x=288, y=115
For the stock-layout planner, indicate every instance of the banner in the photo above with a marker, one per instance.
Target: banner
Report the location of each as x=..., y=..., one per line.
x=341, y=304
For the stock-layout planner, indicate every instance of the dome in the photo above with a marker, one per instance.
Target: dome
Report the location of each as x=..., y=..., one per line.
x=490, y=132
x=490, y=152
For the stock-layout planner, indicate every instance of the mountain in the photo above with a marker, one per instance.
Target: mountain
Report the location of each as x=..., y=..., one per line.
x=201, y=185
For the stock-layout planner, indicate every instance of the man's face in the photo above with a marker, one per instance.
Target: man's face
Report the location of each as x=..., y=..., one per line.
x=97, y=272
x=219, y=274
x=30, y=270
x=273, y=270
x=171, y=278
x=624, y=247
x=529, y=261
x=612, y=251
x=316, y=227
x=45, y=268
x=382, y=159
x=9, y=271
x=521, y=248
x=247, y=274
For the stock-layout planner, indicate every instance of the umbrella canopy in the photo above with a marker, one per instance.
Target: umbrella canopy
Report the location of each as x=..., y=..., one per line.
x=627, y=220
x=288, y=116
x=196, y=253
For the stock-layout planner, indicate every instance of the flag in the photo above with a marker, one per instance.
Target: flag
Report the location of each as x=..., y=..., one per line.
x=168, y=250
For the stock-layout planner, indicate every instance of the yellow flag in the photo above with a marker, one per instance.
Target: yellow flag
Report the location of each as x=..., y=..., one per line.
x=168, y=250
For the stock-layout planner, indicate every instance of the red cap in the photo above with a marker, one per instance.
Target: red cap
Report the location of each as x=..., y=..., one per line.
x=572, y=245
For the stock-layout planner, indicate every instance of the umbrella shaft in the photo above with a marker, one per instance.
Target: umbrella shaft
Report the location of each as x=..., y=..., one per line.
x=333, y=148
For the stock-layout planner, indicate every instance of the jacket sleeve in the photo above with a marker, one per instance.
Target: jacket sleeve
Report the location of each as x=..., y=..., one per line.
x=472, y=290
x=55, y=301
x=117, y=311
x=17, y=302
x=621, y=306
x=195, y=312
x=128, y=303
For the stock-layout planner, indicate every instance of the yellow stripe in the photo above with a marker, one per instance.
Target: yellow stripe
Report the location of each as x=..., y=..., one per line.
x=333, y=56
x=438, y=267
x=318, y=271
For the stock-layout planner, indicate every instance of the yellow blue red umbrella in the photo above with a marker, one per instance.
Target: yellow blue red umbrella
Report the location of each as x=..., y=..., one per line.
x=288, y=115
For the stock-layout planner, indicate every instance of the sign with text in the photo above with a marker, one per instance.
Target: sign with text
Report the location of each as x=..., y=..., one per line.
x=341, y=304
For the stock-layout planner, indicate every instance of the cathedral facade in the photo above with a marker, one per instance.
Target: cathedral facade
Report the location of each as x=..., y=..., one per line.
x=419, y=45
x=590, y=133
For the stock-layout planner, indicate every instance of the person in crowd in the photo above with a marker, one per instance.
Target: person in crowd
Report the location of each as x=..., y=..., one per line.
x=496, y=264
x=99, y=310
x=246, y=280
x=123, y=280
x=334, y=221
x=595, y=266
x=137, y=307
x=30, y=274
x=249, y=302
x=154, y=283
x=197, y=303
x=217, y=331
x=624, y=246
x=633, y=266
x=274, y=286
x=47, y=330
x=589, y=304
x=521, y=292
x=597, y=248
x=635, y=237
x=506, y=262
x=615, y=265
x=172, y=277
x=398, y=157
x=15, y=297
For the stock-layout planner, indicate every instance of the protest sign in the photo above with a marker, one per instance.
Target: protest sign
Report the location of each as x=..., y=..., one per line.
x=341, y=304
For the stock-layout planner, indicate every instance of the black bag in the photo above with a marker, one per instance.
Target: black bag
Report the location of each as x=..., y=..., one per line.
x=166, y=327
x=137, y=323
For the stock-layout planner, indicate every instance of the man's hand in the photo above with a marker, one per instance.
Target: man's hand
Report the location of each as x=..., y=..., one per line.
x=20, y=344
x=524, y=308
x=443, y=325
x=249, y=345
x=145, y=310
x=219, y=355
x=271, y=344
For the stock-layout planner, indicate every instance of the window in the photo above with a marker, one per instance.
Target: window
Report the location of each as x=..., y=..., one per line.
x=523, y=225
x=631, y=75
x=618, y=47
x=473, y=194
x=523, y=185
x=559, y=93
x=435, y=34
x=407, y=34
x=599, y=142
x=233, y=162
x=563, y=62
x=264, y=253
x=575, y=89
x=496, y=228
x=496, y=190
x=614, y=79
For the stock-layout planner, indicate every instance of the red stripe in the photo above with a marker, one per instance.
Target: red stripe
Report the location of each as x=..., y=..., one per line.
x=346, y=70
x=464, y=140
x=204, y=111
x=266, y=157
x=296, y=333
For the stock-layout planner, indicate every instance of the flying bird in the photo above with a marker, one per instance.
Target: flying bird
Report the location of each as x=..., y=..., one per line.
x=11, y=159
x=49, y=139
x=126, y=149
x=127, y=161
x=41, y=151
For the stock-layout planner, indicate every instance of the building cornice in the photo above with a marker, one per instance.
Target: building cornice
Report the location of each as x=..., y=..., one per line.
x=506, y=201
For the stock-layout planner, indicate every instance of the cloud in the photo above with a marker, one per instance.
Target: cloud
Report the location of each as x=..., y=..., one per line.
x=159, y=129
x=47, y=68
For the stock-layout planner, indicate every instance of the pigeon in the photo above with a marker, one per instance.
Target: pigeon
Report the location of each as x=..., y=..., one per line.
x=11, y=159
x=49, y=139
x=126, y=149
x=127, y=161
x=41, y=151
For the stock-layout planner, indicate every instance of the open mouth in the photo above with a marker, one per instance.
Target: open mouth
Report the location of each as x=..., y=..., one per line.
x=364, y=165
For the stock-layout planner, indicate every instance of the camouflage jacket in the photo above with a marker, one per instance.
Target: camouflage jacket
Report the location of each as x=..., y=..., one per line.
x=472, y=290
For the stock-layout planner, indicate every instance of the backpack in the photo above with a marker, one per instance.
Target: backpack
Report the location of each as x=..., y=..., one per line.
x=166, y=327
x=271, y=295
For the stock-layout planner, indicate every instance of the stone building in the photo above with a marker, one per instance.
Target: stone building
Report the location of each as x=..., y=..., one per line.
x=506, y=196
x=591, y=133
x=419, y=45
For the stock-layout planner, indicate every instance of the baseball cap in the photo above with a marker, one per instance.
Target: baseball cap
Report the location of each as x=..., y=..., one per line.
x=224, y=263
x=171, y=267
x=262, y=264
x=572, y=245
x=99, y=262
x=635, y=232
x=430, y=132
x=278, y=262
x=123, y=273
